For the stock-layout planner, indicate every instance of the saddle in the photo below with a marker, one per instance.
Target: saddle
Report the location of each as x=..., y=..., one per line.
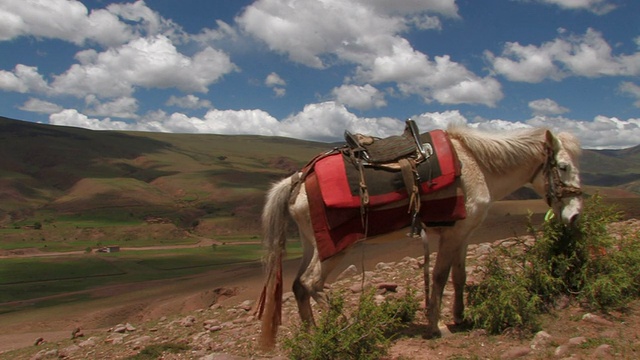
x=395, y=153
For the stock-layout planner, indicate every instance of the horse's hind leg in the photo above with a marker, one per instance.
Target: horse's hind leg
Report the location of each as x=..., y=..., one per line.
x=310, y=283
x=301, y=291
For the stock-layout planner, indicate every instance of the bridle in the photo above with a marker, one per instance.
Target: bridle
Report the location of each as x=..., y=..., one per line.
x=555, y=189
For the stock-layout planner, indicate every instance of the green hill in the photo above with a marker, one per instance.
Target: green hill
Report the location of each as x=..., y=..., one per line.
x=185, y=179
x=49, y=171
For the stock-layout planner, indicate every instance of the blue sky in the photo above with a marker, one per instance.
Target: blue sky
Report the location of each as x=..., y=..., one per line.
x=312, y=68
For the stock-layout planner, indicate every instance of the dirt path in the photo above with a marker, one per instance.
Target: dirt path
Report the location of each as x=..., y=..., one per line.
x=151, y=300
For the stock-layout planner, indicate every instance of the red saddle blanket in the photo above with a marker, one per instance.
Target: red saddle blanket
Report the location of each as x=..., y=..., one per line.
x=333, y=192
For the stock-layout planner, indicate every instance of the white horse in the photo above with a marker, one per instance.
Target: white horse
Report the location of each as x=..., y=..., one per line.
x=493, y=166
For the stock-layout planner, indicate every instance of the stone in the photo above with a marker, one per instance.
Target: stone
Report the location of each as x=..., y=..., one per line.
x=246, y=305
x=351, y=270
x=541, y=340
x=596, y=319
x=515, y=353
x=388, y=286
x=577, y=340
x=602, y=351
x=188, y=321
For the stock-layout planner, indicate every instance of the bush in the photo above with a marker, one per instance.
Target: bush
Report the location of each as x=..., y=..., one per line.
x=586, y=263
x=362, y=334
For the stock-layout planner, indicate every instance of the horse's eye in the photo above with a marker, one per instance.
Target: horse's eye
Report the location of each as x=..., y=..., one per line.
x=563, y=166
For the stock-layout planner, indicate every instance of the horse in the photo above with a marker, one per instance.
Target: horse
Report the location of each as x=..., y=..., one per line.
x=493, y=166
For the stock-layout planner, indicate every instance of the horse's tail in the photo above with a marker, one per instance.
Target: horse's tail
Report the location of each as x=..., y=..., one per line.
x=274, y=225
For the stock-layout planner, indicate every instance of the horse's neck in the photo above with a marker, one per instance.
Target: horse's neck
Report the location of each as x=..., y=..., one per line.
x=503, y=185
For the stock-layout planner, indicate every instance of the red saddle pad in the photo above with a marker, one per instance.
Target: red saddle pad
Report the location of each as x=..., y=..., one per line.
x=333, y=192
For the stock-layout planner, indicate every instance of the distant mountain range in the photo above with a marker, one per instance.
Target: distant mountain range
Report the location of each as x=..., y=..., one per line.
x=48, y=170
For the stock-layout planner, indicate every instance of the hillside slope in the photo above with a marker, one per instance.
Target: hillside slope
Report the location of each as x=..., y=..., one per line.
x=50, y=170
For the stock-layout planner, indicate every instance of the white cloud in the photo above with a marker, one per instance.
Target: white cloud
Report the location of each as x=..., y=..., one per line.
x=40, y=106
x=61, y=19
x=124, y=107
x=599, y=7
x=327, y=121
x=71, y=117
x=359, y=97
x=546, y=107
x=274, y=79
x=632, y=90
x=367, y=33
x=279, y=92
x=188, y=102
x=23, y=79
x=145, y=62
x=601, y=133
x=588, y=55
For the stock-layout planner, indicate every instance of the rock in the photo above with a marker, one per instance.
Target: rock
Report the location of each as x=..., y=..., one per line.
x=120, y=328
x=76, y=333
x=515, y=353
x=383, y=266
x=39, y=341
x=46, y=354
x=388, y=286
x=348, y=272
x=602, y=351
x=188, y=321
x=88, y=343
x=221, y=356
x=596, y=319
x=68, y=351
x=541, y=340
x=246, y=305
x=577, y=340
x=561, y=350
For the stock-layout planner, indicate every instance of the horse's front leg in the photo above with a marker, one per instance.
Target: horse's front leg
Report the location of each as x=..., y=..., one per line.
x=459, y=276
x=441, y=270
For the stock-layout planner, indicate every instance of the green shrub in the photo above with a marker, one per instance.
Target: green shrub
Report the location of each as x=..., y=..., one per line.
x=362, y=334
x=584, y=262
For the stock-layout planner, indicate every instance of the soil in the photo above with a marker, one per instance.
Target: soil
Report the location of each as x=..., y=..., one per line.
x=149, y=305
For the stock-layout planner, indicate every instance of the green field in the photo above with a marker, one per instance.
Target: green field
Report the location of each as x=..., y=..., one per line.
x=29, y=280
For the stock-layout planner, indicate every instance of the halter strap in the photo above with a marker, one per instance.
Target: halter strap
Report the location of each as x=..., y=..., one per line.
x=555, y=188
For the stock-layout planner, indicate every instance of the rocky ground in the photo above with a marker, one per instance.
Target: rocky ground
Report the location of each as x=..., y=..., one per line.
x=229, y=331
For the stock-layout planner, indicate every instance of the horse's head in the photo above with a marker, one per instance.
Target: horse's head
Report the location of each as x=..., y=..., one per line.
x=558, y=178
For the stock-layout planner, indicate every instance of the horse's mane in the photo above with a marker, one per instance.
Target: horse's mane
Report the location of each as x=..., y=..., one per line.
x=501, y=152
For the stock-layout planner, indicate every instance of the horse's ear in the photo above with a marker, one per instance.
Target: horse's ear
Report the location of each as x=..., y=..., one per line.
x=553, y=141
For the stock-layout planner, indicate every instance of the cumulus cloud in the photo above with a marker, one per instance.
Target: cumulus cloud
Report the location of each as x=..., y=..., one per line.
x=275, y=82
x=327, y=121
x=124, y=107
x=599, y=7
x=632, y=90
x=40, y=106
x=588, y=55
x=145, y=62
x=188, y=102
x=368, y=34
x=602, y=133
x=274, y=79
x=359, y=97
x=71, y=21
x=546, y=107
x=23, y=79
